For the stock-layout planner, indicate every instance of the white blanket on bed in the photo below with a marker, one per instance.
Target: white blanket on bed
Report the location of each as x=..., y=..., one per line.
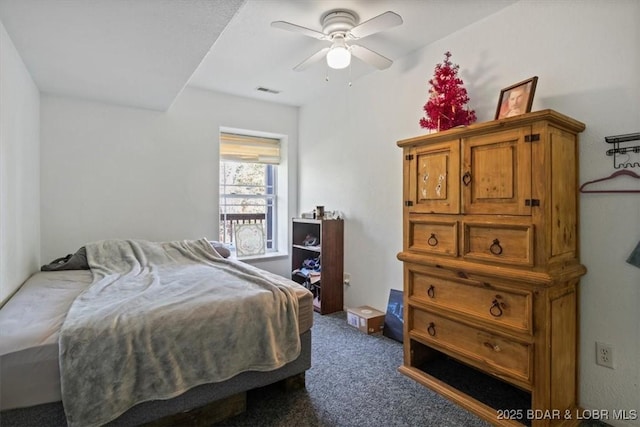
x=160, y=318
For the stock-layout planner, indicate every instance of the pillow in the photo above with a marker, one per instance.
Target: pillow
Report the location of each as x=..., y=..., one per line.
x=220, y=248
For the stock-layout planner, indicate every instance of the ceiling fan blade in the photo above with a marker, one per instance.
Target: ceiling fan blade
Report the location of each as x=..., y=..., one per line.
x=370, y=57
x=288, y=26
x=312, y=59
x=381, y=22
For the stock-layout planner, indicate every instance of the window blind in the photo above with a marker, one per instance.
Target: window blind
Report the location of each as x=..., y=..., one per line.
x=249, y=149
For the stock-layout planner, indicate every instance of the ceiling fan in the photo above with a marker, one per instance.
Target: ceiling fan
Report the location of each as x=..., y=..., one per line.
x=341, y=27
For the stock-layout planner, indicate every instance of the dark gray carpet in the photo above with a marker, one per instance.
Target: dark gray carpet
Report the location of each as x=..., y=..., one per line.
x=353, y=382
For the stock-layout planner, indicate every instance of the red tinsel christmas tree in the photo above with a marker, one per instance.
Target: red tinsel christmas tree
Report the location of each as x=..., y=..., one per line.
x=447, y=102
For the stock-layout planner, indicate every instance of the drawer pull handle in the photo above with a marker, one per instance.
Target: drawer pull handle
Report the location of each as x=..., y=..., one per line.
x=431, y=329
x=495, y=247
x=431, y=291
x=494, y=347
x=496, y=309
x=433, y=240
x=466, y=178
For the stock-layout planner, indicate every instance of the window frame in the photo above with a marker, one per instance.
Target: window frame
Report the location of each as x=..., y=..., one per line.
x=283, y=194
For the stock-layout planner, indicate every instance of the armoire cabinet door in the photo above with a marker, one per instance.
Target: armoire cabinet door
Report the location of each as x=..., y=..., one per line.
x=496, y=173
x=434, y=185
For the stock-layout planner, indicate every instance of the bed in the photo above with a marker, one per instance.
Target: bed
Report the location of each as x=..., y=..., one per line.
x=44, y=333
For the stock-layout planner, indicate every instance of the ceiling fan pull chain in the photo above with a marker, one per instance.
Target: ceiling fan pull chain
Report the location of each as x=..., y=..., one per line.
x=350, y=74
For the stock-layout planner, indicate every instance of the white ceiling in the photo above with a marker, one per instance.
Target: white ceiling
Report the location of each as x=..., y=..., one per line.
x=141, y=53
x=137, y=53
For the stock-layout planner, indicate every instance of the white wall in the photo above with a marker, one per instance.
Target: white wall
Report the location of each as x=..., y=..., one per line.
x=115, y=172
x=586, y=55
x=19, y=170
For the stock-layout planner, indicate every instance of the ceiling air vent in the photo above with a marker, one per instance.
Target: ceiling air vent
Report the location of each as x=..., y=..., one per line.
x=267, y=90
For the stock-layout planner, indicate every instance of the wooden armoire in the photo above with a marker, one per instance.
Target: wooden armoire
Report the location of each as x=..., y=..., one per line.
x=491, y=266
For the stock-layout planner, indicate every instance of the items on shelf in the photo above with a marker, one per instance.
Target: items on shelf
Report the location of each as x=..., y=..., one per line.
x=309, y=275
x=311, y=240
x=321, y=213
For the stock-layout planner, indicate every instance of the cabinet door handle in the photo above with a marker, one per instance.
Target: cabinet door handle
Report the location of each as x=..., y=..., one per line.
x=433, y=240
x=466, y=178
x=431, y=329
x=495, y=247
x=431, y=291
x=496, y=309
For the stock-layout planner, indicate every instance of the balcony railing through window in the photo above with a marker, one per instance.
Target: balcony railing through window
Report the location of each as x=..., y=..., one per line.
x=228, y=222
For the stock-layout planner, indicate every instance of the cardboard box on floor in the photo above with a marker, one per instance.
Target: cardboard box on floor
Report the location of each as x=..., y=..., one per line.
x=367, y=319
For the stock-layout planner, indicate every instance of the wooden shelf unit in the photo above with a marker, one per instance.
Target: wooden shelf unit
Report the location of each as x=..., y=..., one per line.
x=331, y=253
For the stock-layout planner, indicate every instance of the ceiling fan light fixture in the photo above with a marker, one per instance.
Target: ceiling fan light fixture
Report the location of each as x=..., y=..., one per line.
x=338, y=57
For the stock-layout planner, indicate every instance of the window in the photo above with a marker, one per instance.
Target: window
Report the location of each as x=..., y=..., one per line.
x=248, y=185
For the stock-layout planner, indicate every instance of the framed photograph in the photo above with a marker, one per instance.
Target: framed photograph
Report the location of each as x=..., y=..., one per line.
x=516, y=99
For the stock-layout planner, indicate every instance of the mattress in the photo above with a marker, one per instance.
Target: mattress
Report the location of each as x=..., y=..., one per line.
x=29, y=326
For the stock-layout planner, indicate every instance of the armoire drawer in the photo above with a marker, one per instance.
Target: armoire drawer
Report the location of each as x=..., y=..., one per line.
x=433, y=236
x=511, y=308
x=499, y=242
x=488, y=351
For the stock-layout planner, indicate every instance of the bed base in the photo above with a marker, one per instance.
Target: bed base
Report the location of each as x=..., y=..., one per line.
x=223, y=409
x=212, y=403
x=209, y=414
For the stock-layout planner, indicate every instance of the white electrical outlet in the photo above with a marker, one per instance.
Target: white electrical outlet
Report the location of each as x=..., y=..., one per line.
x=604, y=355
x=346, y=279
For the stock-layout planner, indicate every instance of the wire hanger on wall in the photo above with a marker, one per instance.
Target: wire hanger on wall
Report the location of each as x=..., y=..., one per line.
x=623, y=172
